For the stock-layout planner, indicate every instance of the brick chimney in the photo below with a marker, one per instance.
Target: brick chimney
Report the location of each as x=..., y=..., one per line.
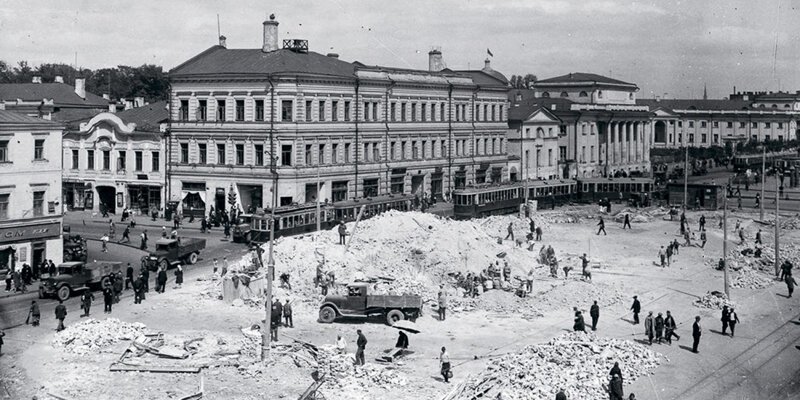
x=59, y=79
x=223, y=41
x=270, y=35
x=435, y=62
x=36, y=79
x=487, y=65
x=80, y=87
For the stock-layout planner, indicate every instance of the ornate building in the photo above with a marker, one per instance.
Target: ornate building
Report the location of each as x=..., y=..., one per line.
x=358, y=130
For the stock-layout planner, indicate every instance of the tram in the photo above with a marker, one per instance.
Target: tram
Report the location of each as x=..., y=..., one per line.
x=505, y=198
x=592, y=190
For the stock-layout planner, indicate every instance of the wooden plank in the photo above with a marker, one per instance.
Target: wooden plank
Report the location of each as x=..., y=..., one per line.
x=145, y=368
x=57, y=396
x=311, y=390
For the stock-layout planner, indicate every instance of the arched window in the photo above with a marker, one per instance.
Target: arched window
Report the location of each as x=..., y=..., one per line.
x=774, y=106
x=539, y=132
x=546, y=95
x=787, y=106
x=599, y=94
x=564, y=94
x=583, y=94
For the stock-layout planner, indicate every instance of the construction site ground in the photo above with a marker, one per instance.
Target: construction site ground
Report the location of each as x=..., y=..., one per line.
x=759, y=363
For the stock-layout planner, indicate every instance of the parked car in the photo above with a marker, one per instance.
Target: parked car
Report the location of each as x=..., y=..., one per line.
x=358, y=303
x=78, y=275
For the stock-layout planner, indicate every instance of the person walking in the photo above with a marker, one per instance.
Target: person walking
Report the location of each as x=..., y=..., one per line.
x=790, y=283
x=61, y=314
x=34, y=313
x=786, y=269
x=758, y=237
x=702, y=223
x=342, y=232
x=86, y=302
x=636, y=307
x=143, y=236
x=725, y=319
x=594, y=312
x=538, y=233
x=649, y=327
x=444, y=364
x=510, y=230
x=733, y=319
x=670, y=326
x=108, y=299
x=179, y=276
x=126, y=235
x=361, y=344
x=287, y=314
x=741, y=236
x=161, y=280
x=627, y=222
x=580, y=324
x=697, y=331
x=703, y=239
x=104, y=243
x=138, y=290
x=442, y=298
x=602, y=226
x=128, y=276
x=662, y=256
x=659, y=328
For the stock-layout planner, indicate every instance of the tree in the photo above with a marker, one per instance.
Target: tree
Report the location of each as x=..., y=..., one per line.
x=522, y=82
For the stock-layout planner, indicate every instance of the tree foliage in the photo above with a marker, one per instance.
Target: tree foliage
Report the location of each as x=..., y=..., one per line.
x=522, y=82
x=148, y=81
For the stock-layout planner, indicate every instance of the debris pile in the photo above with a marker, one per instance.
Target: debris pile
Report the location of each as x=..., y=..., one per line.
x=577, y=362
x=343, y=380
x=750, y=279
x=575, y=292
x=714, y=300
x=90, y=335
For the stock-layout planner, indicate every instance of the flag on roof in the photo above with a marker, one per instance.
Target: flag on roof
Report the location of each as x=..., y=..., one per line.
x=489, y=52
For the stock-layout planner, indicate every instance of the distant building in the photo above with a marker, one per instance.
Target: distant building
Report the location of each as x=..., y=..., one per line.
x=580, y=125
x=118, y=160
x=55, y=101
x=30, y=201
x=364, y=130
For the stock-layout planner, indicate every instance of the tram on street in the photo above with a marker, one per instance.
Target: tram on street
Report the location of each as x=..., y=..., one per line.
x=592, y=190
x=505, y=198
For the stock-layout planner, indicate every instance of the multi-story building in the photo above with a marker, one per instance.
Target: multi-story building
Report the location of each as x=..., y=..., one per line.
x=56, y=101
x=358, y=130
x=592, y=122
x=117, y=160
x=704, y=123
x=30, y=205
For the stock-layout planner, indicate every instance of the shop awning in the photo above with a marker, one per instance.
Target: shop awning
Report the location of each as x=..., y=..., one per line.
x=185, y=193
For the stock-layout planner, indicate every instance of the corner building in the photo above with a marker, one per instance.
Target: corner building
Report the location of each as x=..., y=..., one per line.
x=358, y=130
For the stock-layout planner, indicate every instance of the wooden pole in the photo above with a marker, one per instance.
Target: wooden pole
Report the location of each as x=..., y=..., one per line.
x=777, y=227
x=725, y=244
x=763, y=181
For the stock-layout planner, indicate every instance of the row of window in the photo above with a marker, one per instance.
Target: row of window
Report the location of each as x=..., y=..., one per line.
x=121, y=160
x=538, y=160
x=704, y=138
x=221, y=155
x=38, y=150
x=729, y=124
x=37, y=206
x=338, y=110
x=582, y=94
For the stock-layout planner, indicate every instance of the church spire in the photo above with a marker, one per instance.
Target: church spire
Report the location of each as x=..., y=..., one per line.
x=705, y=92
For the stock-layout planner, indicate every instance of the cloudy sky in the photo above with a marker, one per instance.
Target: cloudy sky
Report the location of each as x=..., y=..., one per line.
x=666, y=46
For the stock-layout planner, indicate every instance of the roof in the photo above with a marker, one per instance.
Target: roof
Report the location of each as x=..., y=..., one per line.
x=61, y=94
x=486, y=77
x=691, y=104
x=221, y=60
x=581, y=77
x=520, y=111
x=10, y=117
x=148, y=117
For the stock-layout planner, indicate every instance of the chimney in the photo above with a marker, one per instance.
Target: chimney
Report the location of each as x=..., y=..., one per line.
x=270, y=35
x=36, y=79
x=487, y=65
x=128, y=104
x=112, y=108
x=138, y=101
x=333, y=55
x=80, y=87
x=553, y=107
x=106, y=96
x=435, y=62
x=59, y=79
x=222, y=41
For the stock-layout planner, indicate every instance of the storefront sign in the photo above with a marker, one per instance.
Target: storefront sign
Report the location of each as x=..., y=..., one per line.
x=30, y=232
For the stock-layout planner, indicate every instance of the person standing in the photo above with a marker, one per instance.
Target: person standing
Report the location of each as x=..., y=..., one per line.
x=138, y=290
x=341, y=344
x=538, y=233
x=444, y=364
x=648, y=327
x=86, y=302
x=733, y=319
x=104, y=243
x=636, y=307
x=108, y=299
x=342, y=232
x=659, y=328
x=702, y=223
x=61, y=314
x=580, y=324
x=510, y=230
x=143, y=236
x=126, y=235
x=117, y=286
x=442, y=297
x=703, y=239
x=670, y=326
x=145, y=273
x=602, y=226
x=35, y=313
x=594, y=312
x=225, y=267
x=179, y=276
x=627, y=222
x=790, y=283
x=758, y=200
x=275, y=320
x=697, y=331
x=725, y=318
x=662, y=257
x=287, y=314
x=758, y=237
x=161, y=280
x=361, y=344
x=128, y=276
x=531, y=222
x=615, y=388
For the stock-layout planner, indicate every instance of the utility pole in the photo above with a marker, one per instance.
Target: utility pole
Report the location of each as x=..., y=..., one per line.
x=763, y=180
x=725, y=243
x=271, y=262
x=777, y=227
x=318, y=194
x=686, y=176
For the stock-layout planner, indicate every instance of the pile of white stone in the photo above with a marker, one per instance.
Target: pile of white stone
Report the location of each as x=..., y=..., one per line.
x=750, y=279
x=91, y=335
x=577, y=362
x=344, y=380
x=714, y=300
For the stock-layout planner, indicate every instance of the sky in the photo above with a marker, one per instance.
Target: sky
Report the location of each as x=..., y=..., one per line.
x=669, y=48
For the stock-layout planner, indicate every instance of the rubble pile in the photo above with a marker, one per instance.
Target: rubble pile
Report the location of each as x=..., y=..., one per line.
x=343, y=380
x=577, y=362
x=714, y=300
x=574, y=292
x=750, y=279
x=90, y=335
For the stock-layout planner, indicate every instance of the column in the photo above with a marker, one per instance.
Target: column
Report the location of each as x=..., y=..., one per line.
x=614, y=143
x=637, y=140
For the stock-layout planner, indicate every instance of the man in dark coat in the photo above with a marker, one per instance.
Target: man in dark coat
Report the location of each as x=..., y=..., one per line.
x=51, y=269
x=402, y=340
x=579, y=324
x=702, y=223
x=724, y=319
x=615, y=388
x=602, y=226
x=786, y=269
x=636, y=307
x=61, y=314
x=538, y=233
x=627, y=222
x=670, y=326
x=361, y=343
x=145, y=273
x=342, y=232
x=649, y=327
x=594, y=312
x=86, y=302
x=117, y=286
x=108, y=299
x=35, y=314
x=659, y=328
x=27, y=274
x=697, y=331
x=561, y=395
x=138, y=290
x=275, y=320
x=733, y=319
x=161, y=280
x=126, y=235
x=615, y=370
x=128, y=276
x=790, y=282
x=287, y=314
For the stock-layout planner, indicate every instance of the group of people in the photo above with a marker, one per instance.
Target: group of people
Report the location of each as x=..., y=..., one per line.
x=665, y=256
x=18, y=279
x=280, y=315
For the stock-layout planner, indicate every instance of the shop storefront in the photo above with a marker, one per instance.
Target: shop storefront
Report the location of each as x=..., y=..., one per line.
x=144, y=198
x=30, y=244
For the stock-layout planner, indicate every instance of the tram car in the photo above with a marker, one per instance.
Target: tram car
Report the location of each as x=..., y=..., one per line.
x=505, y=198
x=347, y=210
x=592, y=190
x=753, y=162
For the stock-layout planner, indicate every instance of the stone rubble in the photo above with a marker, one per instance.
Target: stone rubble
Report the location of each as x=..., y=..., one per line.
x=343, y=380
x=91, y=335
x=714, y=300
x=577, y=362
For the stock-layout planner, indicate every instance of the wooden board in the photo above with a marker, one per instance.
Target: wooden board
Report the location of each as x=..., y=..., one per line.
x=153, y=368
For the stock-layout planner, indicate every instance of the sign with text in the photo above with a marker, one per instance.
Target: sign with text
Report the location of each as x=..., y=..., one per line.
x=30, y=232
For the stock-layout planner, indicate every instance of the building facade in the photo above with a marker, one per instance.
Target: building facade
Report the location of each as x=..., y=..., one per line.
x=55, y=101
x=116, y=161
x=355, y=129
x=30, y=206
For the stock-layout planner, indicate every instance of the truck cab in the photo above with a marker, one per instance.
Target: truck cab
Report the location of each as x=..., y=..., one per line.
x=359, y=303
x=78, y=275
x=241, y=230
x=173, y=251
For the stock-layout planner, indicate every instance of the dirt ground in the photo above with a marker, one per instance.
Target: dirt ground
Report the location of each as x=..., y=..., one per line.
x=625, y=266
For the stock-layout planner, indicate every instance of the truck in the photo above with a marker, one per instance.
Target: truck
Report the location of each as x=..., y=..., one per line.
x=78, y=275
x=74, y=248
x=358, y=303
x=169, y=252
x=241, y=230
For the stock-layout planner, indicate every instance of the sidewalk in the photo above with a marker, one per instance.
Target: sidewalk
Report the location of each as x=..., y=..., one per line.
x=77, y=217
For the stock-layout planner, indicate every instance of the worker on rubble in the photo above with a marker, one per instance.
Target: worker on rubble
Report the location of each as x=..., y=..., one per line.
x=342, y=232
x=602, y=226
x=510, y=230
x=287, y=314
x=702, y=223
x=580, y=324
x=615, y=388
x=34, y=313
x=561, y=395
x=361, y=344
x=529, y=280
x=615, y=370
x=538, y=233
x=758, y=237
x=444, y=363
x=594, y=312
x=636, y=307
x=341, y=344
x=703, y=239
x=275, y=320
x=442, y=298
x=402, y=340
x=506, y=272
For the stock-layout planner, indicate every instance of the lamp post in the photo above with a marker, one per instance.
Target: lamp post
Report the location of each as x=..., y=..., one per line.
x=538, y=147
x=777, y=226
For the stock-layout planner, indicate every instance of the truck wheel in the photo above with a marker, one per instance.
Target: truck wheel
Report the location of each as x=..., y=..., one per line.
x=191, y=259
x=394, y=316
x=164, y=264
x=63, y=293
x=327, y=314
